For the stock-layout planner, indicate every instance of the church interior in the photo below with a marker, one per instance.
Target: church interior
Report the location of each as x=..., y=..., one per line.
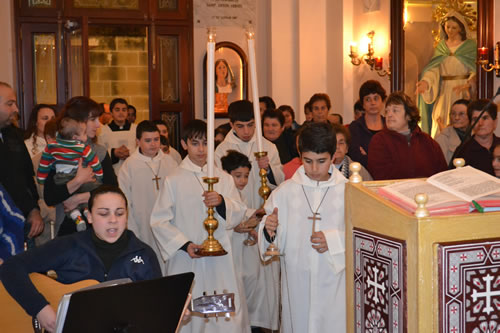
x=400, y=260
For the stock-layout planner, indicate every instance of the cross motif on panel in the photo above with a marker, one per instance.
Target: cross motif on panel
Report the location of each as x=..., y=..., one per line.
x=488, y=294
x=376, y=286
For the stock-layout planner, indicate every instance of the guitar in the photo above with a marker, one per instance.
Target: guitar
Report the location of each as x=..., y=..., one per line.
x=13, y=318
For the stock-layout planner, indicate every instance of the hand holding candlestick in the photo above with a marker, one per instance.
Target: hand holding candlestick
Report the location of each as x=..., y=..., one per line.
x=271, y=226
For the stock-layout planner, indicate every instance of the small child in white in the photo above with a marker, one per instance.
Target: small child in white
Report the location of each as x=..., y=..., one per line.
x=306, y=218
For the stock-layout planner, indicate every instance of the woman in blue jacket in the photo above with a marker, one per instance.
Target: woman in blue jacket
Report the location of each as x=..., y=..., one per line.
x=107, y=251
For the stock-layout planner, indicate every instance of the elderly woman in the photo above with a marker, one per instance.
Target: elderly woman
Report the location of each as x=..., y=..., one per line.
x=452, y=136
x=63, y=196
x=402, y=150
x=478, y=151
x=340, y=159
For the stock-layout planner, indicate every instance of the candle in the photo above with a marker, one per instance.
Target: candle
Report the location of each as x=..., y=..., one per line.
x=354, y=49
x=255, y=89
x=379, y=63
x=483, y=53
x=210, y=102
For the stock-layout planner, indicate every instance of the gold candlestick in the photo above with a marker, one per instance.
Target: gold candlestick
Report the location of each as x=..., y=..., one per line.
x=211, y=246
x=264, y=192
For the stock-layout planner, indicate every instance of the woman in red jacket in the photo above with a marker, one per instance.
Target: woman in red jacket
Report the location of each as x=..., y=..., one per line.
x=402, y=150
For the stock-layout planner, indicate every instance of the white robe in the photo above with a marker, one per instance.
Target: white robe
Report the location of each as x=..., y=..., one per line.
x=261, y=279
x=313, y=284
x=177, y=218
x=136, y=181
x=115, y=139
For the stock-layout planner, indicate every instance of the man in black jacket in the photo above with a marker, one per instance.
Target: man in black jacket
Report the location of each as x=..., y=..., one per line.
x=16, y=169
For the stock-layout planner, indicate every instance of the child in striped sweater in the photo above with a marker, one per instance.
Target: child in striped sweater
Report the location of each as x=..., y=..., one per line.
x=63, y=156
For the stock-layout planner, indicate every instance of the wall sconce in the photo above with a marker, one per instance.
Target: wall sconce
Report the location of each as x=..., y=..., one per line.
x=484, y=62
x=375, y=63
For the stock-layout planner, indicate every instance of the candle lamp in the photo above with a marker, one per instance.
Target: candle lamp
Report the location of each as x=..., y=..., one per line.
x=211, y=246
x=484, y=61
x=375, y=63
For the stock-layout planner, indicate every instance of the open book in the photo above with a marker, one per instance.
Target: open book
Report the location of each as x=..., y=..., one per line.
x=456, y=191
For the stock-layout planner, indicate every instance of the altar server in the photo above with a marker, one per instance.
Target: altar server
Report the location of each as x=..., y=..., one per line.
x=177, y=223
x=141, y=178
x=306, y=221
x=261, y=279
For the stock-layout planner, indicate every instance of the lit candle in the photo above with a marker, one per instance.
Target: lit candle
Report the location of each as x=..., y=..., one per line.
x=483, y=52
x=354, y=48
x=210, y=101
x=255, y=89
x=379, y=63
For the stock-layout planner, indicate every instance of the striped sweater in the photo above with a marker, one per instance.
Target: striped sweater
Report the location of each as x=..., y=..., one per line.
x=68, y=153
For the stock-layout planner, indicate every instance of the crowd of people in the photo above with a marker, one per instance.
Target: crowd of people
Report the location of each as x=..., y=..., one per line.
x=116, y=190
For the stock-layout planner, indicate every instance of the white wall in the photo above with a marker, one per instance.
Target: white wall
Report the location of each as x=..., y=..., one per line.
x=378, y=21
x=7, y=54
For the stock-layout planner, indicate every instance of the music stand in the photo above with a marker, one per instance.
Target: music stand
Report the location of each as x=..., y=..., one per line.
x=143, y=306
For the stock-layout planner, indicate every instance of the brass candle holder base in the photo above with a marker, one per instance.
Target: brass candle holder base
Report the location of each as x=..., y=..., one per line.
x=272, y=250
x=211, y=246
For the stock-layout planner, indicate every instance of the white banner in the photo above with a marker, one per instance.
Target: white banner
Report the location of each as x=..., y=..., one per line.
x=213, y=13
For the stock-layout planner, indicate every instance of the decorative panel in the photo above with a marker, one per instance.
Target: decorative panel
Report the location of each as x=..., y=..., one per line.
x=44, y=68
x=173, y=125
x=169, y=69
x=379, y=283
x=41, y=3
x=107, y=4
x=168, y=4
x=469, y=287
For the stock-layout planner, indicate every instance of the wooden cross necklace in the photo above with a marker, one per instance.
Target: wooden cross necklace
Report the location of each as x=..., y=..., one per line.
x=155, y=178
x=315, y=215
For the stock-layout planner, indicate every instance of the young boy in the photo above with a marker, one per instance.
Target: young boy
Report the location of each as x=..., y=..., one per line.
x=260, y=279
x=177, y=223
x=141, y=178
x=103, y=253
x=64, y=156
x=238, y=166
x=312, y=272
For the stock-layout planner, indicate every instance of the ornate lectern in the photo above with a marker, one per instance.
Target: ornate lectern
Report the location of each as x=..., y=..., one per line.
x=427, y=274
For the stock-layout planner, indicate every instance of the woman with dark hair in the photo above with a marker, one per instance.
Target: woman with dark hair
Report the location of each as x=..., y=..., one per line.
x=33, y=137
x=402, y=150
x=62, y=196
x=449, y=76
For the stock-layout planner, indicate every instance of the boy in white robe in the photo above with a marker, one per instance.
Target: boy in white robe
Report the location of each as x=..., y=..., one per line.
x=313, y=263
x=261, y=280
x=119, y=135
x=141, y=178
x=177, y=223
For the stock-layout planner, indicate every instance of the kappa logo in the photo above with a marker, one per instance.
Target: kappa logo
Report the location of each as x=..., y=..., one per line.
x=137, y=260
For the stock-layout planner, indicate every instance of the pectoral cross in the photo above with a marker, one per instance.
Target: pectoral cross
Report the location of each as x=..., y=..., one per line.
x=156, y=179
x=314, y=218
